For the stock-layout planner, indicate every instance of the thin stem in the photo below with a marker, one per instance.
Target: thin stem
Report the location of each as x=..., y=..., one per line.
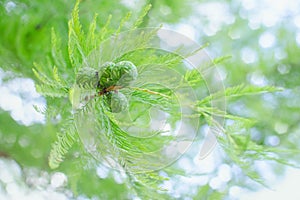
x=149, y=91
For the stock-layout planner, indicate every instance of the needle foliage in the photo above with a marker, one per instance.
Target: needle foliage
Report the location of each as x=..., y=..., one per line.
x=89, y=138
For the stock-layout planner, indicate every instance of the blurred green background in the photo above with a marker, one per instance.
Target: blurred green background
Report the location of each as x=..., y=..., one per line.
x=263, y=38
